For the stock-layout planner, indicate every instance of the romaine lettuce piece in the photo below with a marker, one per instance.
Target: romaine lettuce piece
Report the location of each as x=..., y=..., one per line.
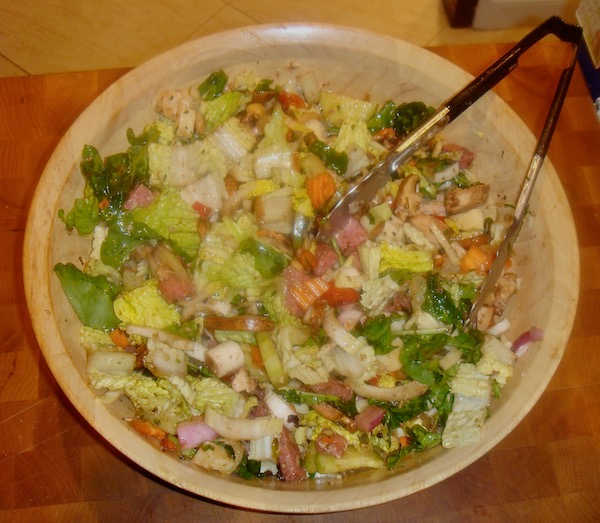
x=219, y=109
x=396, y=258
x=145, y=306
x=174, y=220
x=211, y=392
x=273, y=153
x=155, y=400
x=337, y=108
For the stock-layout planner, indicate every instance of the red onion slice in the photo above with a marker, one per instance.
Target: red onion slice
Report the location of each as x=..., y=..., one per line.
x=520, y=345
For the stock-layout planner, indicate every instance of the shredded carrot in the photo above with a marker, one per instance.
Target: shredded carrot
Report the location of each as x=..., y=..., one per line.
x=477, y=259
x=103, y=204
x=320, y=189
x=148, y=429
x=404, y=441
x=288, y=100
x=119, y=338
x=256, y=357
x=307, y=259
x=307, y=292
x=169, y=445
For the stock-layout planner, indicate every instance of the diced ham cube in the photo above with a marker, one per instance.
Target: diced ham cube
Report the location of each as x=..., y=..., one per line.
x=140, y=196
x=289, y=458
x=351, y=236
x=326, y=259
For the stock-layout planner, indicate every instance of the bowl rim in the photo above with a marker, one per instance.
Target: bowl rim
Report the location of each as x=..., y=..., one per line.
x=144, y=454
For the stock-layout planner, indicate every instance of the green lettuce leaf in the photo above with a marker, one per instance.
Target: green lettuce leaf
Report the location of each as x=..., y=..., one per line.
x=84, y=215
x=174, y=220
x=90, y=296
x=145, y=306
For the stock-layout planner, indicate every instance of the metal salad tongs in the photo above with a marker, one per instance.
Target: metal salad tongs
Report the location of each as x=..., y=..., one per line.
x=364, y=191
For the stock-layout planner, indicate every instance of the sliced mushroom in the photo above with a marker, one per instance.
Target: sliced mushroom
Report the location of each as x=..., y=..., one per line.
x=408, y=197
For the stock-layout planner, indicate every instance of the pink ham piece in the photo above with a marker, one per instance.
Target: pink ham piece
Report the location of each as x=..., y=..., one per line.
x=369, y=418
x=332, y=444
x=351, y=236
x=173, y=289
x=140, y=196
x=333, y=387
x=326, y=259
x=293, y=276
x=289, y=458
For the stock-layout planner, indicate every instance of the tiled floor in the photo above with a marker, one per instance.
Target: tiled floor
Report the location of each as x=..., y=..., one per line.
x=44, y=36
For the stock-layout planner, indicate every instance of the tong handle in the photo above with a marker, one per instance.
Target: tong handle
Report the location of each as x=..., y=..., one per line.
x=505, y=64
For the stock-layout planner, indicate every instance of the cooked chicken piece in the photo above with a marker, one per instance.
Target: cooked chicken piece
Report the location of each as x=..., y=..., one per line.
x=461, y=199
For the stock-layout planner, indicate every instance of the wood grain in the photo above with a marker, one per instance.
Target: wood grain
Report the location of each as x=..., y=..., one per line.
x=54, y=467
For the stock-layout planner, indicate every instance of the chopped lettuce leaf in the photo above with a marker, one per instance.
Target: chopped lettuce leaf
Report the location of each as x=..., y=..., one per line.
x=219, y=109
x=145, y=306
x=212, y=87
x=174, y=220
x=377, y=293
x=155, y=400
x=299, y=357
x=237, y=273
x=211, y=392
x=337, y=108
x=94, y=339
x=319, y=423
x=84, y=215
x=90, y=296
x=394, y=257
x=166, y=130
x=179, y=165
x=352, y=134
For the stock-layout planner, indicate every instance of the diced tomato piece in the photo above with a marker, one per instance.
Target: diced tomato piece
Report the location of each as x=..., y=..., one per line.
x=203, y=210
x=336, y=296
x=288, y=100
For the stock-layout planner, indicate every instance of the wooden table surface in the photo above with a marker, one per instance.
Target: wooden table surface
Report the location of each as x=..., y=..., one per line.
x=55, y=467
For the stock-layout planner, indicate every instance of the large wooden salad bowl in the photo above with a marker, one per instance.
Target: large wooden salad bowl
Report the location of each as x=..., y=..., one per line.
x=356, y=63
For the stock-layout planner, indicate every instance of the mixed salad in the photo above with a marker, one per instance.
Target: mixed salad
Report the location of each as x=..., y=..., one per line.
x=246, y=344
